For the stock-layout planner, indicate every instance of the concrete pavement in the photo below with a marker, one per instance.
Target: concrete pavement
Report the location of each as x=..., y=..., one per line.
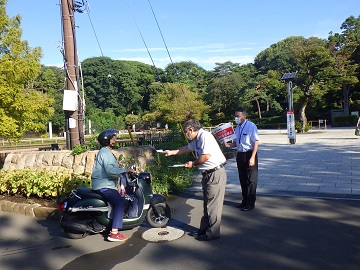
x=321, y=164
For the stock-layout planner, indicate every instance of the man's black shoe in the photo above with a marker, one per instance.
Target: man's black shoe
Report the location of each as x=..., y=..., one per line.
x=196, y=233
x=205, y=237
x=241, y=205
x=247, y=208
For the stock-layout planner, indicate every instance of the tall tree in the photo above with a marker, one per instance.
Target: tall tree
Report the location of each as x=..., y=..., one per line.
x=189, y=73
x=21, y=107
x=223, y=95
x=51, y=81
x=316, y=68
x=344, y=48
x=310, y=58
x=222, y=69
x=175, y=104
x=120, y=85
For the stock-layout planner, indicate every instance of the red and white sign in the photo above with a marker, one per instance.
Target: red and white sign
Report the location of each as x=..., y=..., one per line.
x=291, y=124
x=224, y=132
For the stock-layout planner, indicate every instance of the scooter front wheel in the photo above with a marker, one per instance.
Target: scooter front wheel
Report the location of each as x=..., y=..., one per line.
x=163, y=217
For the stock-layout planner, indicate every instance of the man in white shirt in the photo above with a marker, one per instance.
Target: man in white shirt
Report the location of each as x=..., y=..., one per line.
x=211, y=161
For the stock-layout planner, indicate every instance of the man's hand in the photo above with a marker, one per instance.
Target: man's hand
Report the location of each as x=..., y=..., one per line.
x=167, y=153
x=251, y=161
x=189, y=164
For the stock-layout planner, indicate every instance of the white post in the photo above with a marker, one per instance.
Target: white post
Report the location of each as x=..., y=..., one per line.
x=50, y=130
x=89, y=127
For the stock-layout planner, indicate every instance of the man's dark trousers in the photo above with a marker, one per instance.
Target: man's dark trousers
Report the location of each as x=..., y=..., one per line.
x=248, y=177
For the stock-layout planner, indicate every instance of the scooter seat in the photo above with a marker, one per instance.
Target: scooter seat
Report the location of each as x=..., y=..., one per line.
x=89, y=193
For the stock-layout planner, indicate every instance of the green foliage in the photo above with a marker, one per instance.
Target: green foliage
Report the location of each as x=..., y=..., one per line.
x=299, y=127
x=126, y=161
x=21, y=107
x=51, y=82
x=93, y=143
x=223, y=95
x=131, y=119
x=40, y=183
x=78, y=149
x=188, y=73
x=273, y=122
x=176, y=103
x=101, y=120
x=117, y=84
x=165, y=179
x=345, y=121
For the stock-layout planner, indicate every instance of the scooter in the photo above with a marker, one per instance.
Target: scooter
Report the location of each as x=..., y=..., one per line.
x=84, y=211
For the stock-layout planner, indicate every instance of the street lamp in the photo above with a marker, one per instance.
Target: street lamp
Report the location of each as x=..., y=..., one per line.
x=288, y=77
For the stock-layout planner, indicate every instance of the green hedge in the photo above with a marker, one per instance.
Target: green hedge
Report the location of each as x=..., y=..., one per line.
x=345, y=121
x=40, y=183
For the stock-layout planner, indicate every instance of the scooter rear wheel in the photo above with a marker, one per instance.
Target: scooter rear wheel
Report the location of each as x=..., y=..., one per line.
x=72, y=233
x=164, y=215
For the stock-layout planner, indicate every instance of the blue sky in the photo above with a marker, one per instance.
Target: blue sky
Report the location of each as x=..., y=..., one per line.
x=202, y=31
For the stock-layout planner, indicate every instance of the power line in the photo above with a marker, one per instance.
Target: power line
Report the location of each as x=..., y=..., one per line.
x=162, y=36
x=140, y=33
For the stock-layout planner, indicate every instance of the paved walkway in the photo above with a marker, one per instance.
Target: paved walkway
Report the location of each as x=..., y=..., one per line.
x=321, y=164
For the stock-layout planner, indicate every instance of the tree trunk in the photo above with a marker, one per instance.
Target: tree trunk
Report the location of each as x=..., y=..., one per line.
x=302, y=113
x=258, y=106
x=346, y=90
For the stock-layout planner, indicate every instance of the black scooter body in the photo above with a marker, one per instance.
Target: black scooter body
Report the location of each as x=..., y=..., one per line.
x=84, y=211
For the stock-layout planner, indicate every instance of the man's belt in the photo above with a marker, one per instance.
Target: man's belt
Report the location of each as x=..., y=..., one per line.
x=213, y=169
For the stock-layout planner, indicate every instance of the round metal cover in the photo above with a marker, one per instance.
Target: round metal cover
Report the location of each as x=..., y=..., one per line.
x=160, y=235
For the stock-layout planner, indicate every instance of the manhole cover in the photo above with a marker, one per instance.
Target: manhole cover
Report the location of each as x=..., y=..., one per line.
x=159, y=235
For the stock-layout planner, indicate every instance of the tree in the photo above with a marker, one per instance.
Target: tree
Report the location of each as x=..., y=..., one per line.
x=316, y=63
x=307, y=56
x=101, y=120
x=279, y=56
x=51, y=81
x=117, y=84
x=344, y=48
x=223, y=95
x=132, y=119
x=189, y=73
x=175, y=104
x=222, y=69
x=21, y=107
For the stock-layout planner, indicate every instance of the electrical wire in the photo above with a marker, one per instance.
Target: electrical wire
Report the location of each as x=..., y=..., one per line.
x=162, y=36
x=95, y=34
x=142, y=37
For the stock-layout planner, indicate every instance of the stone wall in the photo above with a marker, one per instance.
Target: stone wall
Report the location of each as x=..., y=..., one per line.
x=82, y=163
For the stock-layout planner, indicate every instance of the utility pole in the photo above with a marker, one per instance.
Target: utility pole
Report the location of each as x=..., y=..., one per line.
x=72, y=103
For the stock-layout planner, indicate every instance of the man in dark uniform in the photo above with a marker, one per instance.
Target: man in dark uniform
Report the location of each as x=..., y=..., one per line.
x=246, y=143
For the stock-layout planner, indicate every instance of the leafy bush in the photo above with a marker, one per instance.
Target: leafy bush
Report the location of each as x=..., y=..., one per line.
x=166, y=179
x=299, y=127
x=344, y=121
x=78, y=149
x=40, y=183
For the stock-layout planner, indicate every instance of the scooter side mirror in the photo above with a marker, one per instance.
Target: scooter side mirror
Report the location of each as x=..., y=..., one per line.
x=146, y=177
